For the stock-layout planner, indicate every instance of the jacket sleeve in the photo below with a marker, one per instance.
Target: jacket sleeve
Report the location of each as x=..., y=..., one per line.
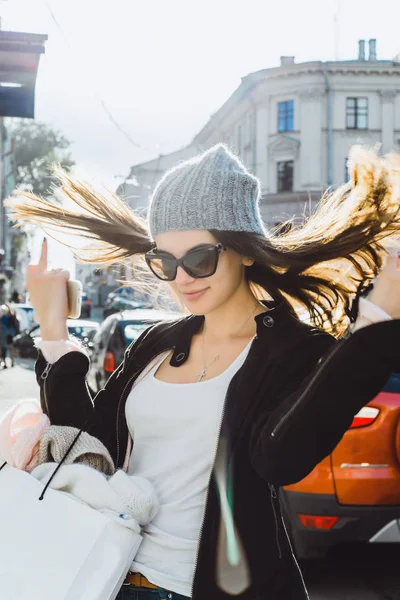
x=66, y=399
x=330, y=383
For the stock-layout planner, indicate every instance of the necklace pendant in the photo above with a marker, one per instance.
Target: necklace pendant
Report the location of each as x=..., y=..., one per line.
x=201, y=375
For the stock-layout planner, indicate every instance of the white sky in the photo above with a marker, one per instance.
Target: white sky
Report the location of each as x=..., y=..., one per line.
x=164, y=66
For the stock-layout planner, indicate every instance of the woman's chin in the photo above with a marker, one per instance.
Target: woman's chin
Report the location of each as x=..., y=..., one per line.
x=201, y=308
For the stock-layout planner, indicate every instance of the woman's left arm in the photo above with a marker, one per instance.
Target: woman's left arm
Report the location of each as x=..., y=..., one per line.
x=325, y=393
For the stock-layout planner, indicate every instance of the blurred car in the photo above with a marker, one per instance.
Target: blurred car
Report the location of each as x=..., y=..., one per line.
x=114, y=336
x=116, y=303
x=353, y=495
x=83, y=330
x=86, y=306
x=25, y=316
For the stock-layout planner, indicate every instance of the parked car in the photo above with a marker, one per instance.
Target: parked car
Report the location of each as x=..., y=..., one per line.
x=126, y=298
x=114, y=336
x=83, y=330
x=353, y=494
x=115, y=304
x=86, y=306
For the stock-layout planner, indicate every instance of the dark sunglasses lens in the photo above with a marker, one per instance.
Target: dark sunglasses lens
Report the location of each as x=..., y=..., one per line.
x=163, y=267
x=202, y=262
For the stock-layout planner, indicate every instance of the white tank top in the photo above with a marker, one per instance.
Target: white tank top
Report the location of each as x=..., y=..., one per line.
x=175, y=430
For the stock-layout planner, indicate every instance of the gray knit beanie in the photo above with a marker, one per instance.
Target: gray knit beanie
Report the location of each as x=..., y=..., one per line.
x=213, y=190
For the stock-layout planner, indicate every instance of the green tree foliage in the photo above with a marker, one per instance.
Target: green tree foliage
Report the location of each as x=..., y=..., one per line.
x=37, y=146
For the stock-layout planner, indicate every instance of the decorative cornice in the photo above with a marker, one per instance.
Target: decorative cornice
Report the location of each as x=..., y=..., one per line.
x=282, y=144
x=354, y=131
x=388, y=95
x=384, y=70
x=311, y=94
x=356, y=134
x=311, y=186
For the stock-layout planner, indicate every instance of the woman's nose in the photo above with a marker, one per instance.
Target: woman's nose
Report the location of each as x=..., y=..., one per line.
x=182, y=277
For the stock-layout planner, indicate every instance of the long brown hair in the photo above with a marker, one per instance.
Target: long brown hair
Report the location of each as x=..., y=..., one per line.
x=318, y=264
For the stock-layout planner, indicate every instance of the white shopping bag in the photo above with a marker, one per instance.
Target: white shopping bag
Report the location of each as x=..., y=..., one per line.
x=58, y=548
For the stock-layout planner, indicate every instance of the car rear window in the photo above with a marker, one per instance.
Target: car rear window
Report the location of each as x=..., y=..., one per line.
x=131, y=331
x=393, y=384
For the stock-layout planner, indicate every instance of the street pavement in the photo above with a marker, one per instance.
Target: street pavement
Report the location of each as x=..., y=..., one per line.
x=355, y=572
x=17, y=384
x=349, y=573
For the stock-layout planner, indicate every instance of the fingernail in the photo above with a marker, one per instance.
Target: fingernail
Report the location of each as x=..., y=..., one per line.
x=45, y=240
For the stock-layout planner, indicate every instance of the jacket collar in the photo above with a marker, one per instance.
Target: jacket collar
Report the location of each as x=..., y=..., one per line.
x=268, y=325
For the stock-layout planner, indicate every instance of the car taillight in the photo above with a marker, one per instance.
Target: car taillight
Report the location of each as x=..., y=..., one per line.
x=317, y=521
x=109, y=362
x=365, y=417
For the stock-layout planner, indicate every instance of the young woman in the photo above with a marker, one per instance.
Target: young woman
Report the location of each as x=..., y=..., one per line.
x=240, y=384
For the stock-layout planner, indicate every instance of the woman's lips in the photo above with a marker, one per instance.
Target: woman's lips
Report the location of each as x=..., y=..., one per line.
x=192, y=296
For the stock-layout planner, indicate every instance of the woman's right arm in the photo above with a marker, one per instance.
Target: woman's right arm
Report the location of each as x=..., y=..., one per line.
x=66, y=399
x=64, y=393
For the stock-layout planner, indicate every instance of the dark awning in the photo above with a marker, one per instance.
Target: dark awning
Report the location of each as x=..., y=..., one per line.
x=19, y=61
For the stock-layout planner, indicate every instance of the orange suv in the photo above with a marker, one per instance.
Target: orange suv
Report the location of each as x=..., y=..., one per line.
x=353, y=494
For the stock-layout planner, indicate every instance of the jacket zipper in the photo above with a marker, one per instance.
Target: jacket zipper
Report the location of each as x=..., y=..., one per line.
x=315, y=378
x=273, y=496
x=44, y=377
x=208, y=487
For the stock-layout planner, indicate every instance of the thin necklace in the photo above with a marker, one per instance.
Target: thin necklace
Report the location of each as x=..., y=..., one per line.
x=216, y=357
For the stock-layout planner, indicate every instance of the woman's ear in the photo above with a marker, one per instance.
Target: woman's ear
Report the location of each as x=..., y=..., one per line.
x=247, y=261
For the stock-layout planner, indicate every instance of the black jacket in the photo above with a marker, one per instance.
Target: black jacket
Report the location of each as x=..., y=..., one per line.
x=286, y=409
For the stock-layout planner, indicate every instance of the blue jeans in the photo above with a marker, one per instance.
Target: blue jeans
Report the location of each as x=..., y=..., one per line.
x=131, y=592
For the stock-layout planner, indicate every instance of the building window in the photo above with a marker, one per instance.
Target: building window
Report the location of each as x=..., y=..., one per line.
x=357, y=113
x=285, y=176
x=286, y=116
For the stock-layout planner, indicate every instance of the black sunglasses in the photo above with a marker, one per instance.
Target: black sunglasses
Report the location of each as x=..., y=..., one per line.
x=199, y=262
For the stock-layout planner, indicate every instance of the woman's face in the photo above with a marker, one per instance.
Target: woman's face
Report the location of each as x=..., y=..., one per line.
x=202, y=296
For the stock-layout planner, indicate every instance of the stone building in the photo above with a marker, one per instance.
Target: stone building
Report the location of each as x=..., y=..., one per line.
x=293, y=126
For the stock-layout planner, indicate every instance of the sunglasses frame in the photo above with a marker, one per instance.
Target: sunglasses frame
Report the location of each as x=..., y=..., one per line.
x=179, y=262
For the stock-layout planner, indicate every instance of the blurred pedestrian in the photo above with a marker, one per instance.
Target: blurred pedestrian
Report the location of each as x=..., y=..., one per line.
x=4, y=292
x=13, y=329
x=16, y=298
x=3, y=335
x=240, y=388
x=9, y=329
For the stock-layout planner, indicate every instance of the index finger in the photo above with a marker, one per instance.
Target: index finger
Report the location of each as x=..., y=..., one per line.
x=42, y=264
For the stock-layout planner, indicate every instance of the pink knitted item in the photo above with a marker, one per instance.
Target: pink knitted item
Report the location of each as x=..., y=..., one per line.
x=20, y=433
x=53, y=351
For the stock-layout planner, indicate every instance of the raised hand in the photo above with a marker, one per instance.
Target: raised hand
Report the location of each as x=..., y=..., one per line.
x=48, y=295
